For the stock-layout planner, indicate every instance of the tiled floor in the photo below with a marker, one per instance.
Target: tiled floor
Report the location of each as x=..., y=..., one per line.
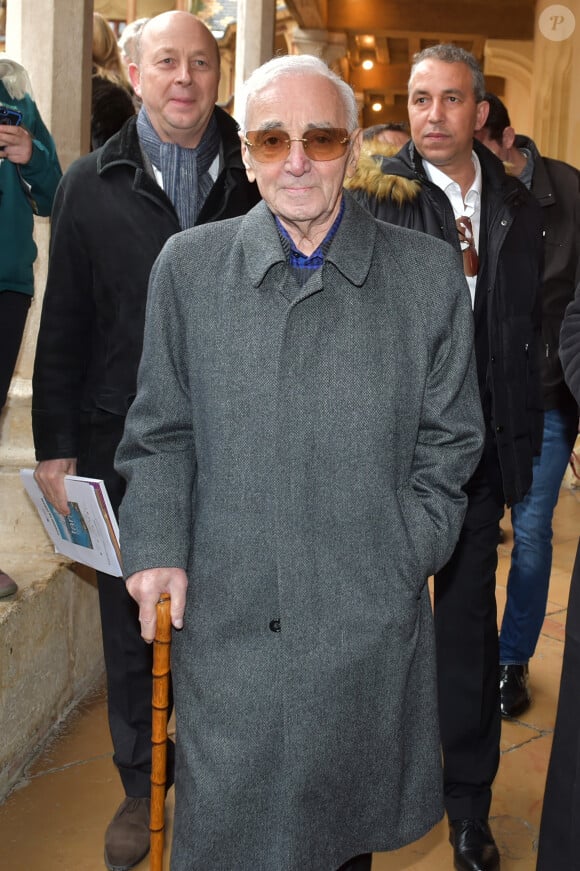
x=56, y=819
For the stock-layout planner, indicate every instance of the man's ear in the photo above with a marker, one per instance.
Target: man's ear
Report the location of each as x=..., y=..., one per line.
x=135, y=78
x=508, y=137
x=481, y=113
x=246, y=158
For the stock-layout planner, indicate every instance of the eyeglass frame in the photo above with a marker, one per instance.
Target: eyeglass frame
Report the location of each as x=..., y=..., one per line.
x=346, y=138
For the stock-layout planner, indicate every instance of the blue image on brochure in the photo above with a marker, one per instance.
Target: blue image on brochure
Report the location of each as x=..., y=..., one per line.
x=72, y=527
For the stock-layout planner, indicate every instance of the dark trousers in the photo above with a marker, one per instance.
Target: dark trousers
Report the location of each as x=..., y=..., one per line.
x=468, y=650
x=559, y=846
x=128, y=659
x=13, y=312
x=359, y=863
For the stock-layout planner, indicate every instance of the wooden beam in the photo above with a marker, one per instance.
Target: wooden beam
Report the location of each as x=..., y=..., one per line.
x=492, y=19
x=393, y=77
x=309, y=14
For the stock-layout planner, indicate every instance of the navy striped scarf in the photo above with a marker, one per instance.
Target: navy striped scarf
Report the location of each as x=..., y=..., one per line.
x=185, y=171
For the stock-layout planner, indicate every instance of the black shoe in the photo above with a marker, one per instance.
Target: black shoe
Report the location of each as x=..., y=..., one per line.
x=473, y=846
x=514, y=691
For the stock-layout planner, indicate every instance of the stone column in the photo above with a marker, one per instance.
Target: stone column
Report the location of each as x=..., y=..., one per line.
x=513, y=61
x=556, y=80
x=256, y=20
x=330, y=47
x=52, y=40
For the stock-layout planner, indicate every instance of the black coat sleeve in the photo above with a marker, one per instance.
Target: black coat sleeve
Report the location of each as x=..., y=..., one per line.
x=570, y=345
x=64, y=340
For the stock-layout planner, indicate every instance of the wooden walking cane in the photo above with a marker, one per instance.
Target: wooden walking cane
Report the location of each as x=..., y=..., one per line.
x=161, y=671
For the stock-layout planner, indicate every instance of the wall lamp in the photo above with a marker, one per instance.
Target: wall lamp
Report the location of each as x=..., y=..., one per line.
x=367, y=59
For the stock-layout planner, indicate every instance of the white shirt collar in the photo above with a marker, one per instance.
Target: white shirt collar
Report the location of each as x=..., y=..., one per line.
x=470, y=207
x=450, y=187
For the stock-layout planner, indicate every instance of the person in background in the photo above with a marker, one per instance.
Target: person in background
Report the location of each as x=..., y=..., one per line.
x=176, y=164
x=107, y=59
x=112, y=95
x=29, y=174
x=393, y=134
x=127, y=46
x=306, y=415
x=559, y=842
x=450, y=186
x=556, y=186
x=128, y=40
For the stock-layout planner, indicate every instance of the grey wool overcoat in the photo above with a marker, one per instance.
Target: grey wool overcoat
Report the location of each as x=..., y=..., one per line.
x=301, y=453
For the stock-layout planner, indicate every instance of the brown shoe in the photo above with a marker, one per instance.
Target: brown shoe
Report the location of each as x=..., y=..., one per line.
x=7, y=586
x=127, y=836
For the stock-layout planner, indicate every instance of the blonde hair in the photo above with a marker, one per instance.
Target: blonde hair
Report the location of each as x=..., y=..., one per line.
x=107, y=61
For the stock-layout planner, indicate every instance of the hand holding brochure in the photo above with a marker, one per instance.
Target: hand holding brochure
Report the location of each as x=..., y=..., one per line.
x=89, y=534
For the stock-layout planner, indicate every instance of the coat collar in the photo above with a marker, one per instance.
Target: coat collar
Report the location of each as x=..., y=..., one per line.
x=401, y=176
x=542, y=187
x=351, y=250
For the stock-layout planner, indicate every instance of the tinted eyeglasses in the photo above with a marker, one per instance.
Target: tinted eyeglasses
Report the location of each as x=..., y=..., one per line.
x=320, y=143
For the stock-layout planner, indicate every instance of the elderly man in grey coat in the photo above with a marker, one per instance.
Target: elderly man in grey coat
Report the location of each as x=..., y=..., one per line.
x=306, y=416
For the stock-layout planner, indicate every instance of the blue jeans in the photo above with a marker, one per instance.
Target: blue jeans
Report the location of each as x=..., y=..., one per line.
x=531, y=564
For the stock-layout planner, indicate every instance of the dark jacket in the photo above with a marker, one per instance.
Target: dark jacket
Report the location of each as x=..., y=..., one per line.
x=556, y=186
x=507, y=306
x=110, y=221
x=570, y=345
x=558, y=842
x=111, y=106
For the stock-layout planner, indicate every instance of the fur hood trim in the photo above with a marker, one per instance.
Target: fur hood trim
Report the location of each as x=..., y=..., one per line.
x=370, y=178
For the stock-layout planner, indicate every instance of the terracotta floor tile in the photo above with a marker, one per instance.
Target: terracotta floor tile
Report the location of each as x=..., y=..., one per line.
x=559, y=587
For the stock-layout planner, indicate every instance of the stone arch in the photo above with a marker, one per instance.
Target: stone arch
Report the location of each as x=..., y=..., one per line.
x=513, y=62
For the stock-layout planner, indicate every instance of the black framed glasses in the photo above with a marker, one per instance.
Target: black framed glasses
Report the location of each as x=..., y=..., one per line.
x=320, y=143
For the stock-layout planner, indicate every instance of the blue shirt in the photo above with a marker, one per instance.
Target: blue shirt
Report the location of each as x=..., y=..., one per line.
x=302, y=265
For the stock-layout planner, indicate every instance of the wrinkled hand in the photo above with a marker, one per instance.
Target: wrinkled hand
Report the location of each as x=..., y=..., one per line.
x=15, y=144
x=49, y=475
x=146, y=588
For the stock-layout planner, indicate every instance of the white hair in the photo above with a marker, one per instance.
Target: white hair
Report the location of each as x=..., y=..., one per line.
x=129, y=37
x=294, y=65
x=14, y=78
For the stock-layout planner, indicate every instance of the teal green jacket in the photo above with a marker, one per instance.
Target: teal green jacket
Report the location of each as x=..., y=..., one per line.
x=25, y=190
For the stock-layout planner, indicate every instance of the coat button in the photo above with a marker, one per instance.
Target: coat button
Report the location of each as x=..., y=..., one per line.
x=499, y=428
x=274, y=625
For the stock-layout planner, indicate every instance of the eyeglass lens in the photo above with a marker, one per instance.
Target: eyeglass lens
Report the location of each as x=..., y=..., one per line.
x=324, y=143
